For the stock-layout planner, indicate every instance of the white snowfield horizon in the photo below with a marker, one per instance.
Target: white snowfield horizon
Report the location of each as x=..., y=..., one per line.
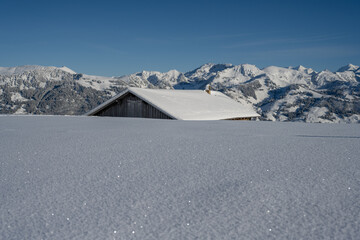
x=68, y=177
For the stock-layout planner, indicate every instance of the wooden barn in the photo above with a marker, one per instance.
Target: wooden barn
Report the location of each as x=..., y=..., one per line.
x=174, y=104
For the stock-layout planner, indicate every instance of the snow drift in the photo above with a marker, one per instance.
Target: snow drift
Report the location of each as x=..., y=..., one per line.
x=115, y=178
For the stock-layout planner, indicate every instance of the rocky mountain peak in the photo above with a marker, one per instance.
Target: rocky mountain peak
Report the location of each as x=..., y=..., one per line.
x=349, y=67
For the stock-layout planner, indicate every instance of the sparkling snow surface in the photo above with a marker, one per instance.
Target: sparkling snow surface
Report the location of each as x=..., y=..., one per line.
x=116, y=178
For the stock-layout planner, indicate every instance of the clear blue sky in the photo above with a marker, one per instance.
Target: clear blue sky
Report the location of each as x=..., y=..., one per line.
x=114, y=38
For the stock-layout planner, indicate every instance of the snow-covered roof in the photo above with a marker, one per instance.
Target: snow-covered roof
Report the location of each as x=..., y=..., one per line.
x=188, y=104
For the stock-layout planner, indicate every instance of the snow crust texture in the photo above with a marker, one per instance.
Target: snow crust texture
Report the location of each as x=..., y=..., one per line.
x=115, y=178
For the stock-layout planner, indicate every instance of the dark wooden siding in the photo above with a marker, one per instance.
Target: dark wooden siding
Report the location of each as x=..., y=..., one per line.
x=131, y=106
x=240, y=118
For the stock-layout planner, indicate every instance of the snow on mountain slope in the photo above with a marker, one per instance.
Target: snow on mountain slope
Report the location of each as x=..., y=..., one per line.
x=200, y=77
x=66, y=69
x=7, y=71
x=349, y=67
x=285, y=76
x=301, y=68
x=347, y=77
x=19, y=70
x=117, y=178
x=207, y=70
x=98, y=83
x=162, y=80
x=237, y=74
x=281, y=94
x=326, y=77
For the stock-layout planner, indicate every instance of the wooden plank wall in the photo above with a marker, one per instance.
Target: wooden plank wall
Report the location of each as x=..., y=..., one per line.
x=131, y=106
x=240, y=118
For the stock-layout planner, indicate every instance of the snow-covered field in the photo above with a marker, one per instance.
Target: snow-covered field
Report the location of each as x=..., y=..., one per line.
x=113, y=178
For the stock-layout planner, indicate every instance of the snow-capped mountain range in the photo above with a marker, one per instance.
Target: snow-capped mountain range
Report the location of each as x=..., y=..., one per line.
x=278, y=94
